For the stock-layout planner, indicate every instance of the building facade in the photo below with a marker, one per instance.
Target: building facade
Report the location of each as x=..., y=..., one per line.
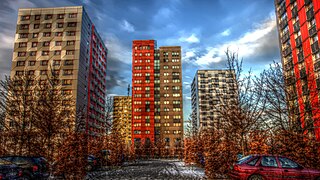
x=122, y=117
x=157, y=112
x=64, y=41
x=209, y=89
x=298, y=26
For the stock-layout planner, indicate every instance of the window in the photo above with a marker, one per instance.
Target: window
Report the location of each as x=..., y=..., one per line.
x=70, y=52
x=31, y=72
x=46, y=44
x=44, y=63
x=45, y=53
x=57, y=52
x=23, y=35
x=68, y=62
x=269, y=161
x=37, y=17
x=66, y=82
x=67, y=72
x=56, y=62
x=59, y=25
x=21, y=54
x=72, y=24
x=43, y=72
x=46, y=34
x=22, y=44
x=58, y=43
x=36, y=26
x=32, y=53
x=34, y=44
x=70, y=43
x=48, y=16
x=60, y=16
x=58, y=34
x=32, y=63
x=20, y=63
x=35, y=35
x=287, y=163
x=24, y=26
x=72, y=15
x=70, y=33
x=47, y=25
x=24, y=18
x=253, y=161
x=19, y=73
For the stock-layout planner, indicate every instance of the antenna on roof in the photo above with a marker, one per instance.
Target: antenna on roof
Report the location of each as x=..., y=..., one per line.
x=128, y=89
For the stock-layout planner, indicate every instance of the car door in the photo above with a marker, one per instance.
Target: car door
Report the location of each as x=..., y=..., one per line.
x=269, y=168
x=292, y=170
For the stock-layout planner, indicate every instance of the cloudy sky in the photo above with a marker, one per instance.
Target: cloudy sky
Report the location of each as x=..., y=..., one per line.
x=203, y=28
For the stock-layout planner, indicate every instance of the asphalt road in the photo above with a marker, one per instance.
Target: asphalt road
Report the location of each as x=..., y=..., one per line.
x=150, y=169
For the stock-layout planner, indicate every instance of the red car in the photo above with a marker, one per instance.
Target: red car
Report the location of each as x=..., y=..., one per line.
x=263, y=167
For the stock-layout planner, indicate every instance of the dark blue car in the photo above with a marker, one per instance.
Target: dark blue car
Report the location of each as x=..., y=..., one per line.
x=32, y=167
x=9, y=170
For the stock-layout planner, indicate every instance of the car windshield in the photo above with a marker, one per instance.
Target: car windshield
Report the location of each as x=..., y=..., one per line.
x=287, y=163
x=242, y=160
x=4, y=162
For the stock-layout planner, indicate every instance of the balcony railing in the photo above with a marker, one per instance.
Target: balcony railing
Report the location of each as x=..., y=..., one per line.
x=298, y=41
x=283, y=23
x=282, y=10
x=315, y=47
x=300, y=57
x=296, y=26
x=285, y=37
x=310, y=14
x=287, y=51
x=294, y=11
x=312, y=30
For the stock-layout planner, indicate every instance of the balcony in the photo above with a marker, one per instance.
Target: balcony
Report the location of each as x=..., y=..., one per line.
x=300, y=57
x=296, y=26
x=285, y=37
x=282, y=10
x=287, y=51
x=312, y=30
x=288, y=66
x=307, y=2
x=317, y=66
x=279, y=1
x=310, y=14
x=294, y=11
x=315, y=47
x=298, y=41
x=290, y=80
x=283, y=23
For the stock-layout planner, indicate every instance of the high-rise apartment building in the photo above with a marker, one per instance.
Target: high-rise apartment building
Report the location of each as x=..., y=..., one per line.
x=157, y=112
x=66, y=41
x=122, y=117
x=298, y=25
x=209, y=89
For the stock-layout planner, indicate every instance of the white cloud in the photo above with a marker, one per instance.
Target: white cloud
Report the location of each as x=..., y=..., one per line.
x=191, y=39
x=125, y=25
x=227, y=32
x=117, y=49
x=188, y=97
x=246, y=45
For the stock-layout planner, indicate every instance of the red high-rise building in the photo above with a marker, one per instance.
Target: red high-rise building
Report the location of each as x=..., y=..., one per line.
x=143, y=90
x=299, y=25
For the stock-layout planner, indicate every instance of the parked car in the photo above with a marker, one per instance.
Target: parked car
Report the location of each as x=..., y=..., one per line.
x=9, y=170
x=259, y=167
x=93, y=163
x=32, y=166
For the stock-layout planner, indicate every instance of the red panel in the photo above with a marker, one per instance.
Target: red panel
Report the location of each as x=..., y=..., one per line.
x=143, y=84
x=316, y=5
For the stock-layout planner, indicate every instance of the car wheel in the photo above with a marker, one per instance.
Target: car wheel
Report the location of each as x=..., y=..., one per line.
x=255, y=177
x=25, y=178
x=89, y=168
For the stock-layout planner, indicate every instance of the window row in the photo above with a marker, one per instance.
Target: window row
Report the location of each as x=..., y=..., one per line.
x=48, y=16
x=46, y=34
x=45, y=53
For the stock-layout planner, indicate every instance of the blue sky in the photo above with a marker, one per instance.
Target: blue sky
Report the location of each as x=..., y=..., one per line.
x=203, y=28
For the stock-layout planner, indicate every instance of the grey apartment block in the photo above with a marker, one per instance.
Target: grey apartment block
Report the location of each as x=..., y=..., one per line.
x=209, y=89
x=64, y=40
